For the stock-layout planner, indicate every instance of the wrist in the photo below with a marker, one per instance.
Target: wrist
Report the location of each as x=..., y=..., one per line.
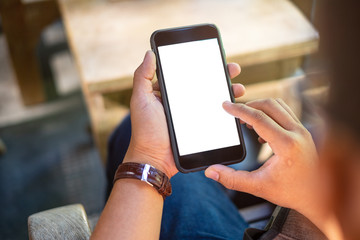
x=320, y=213
x=144, y=158
x=146, y=173
x=328, y=224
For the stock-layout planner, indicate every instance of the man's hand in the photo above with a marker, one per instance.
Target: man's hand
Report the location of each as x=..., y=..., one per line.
x=150, y=141
x=288, y=177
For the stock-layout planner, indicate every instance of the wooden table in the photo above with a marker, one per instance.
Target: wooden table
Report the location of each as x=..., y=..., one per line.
x=109, y=39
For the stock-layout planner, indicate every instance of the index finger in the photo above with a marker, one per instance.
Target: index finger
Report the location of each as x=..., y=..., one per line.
x=276, y=111
x=264, y=126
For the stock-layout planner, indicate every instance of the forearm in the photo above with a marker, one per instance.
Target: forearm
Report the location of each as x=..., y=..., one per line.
x=133, y=211
x=316, y=204
x=326, y=222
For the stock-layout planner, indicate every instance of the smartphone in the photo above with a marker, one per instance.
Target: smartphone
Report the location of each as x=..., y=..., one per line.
x=194, y=82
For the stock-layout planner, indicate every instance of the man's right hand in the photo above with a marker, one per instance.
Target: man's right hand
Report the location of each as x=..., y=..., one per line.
x=288, y=178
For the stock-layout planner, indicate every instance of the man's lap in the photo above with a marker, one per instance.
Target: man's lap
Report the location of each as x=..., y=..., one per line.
x=198, y=208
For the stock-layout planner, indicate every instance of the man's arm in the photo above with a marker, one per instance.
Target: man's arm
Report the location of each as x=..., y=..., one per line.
x=292, y=177
x=134, y=209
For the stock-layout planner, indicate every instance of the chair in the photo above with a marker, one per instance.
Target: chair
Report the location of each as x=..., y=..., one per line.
x=71, y=222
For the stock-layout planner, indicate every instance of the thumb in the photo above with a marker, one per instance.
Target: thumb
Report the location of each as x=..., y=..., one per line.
x=144, y=74
x=232, y=179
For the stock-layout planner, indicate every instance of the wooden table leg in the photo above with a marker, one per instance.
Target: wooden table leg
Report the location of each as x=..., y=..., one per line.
x=22, y=25
x=2, y=147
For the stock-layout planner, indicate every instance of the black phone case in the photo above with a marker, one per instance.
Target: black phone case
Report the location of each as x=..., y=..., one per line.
x=166, y=104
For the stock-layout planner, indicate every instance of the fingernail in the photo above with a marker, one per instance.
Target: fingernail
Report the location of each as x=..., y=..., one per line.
x=227, y=103
x=212, y=174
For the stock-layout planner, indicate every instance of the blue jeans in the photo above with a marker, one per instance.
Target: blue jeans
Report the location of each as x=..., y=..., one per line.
x=199, y=208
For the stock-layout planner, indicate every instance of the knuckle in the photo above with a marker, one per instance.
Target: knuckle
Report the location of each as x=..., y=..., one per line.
x=269, y=102
x=137, y=72
x=304, y=132
x=228, y=180
x=239, y=108
x=262, y=103
x=304, y=135
x=258, y=116
x=230, y=183
x=292, y=142
x=279, y=100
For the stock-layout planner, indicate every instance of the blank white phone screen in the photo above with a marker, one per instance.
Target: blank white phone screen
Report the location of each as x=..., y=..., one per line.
x=196, y=87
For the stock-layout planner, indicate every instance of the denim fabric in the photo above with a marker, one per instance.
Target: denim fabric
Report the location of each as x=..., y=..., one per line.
x=117, y=147
x=199, y=208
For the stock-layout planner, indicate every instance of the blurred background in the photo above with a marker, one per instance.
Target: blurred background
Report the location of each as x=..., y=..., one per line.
x=66, y=75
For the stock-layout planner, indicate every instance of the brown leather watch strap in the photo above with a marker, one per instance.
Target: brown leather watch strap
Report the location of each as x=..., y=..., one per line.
x=146, y=173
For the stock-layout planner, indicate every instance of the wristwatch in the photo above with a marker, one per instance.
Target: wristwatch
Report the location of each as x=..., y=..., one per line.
x=145, y=173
